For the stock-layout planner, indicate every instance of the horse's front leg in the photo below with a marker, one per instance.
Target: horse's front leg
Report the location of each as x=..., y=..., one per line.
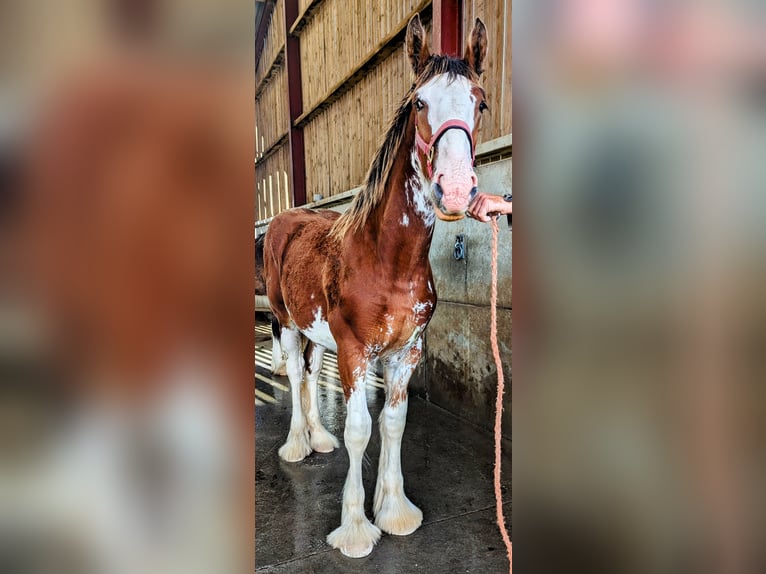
x=394, y=513
x=356, y=535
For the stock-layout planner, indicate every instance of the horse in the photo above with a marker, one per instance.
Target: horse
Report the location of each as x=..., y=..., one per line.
x=360, y=283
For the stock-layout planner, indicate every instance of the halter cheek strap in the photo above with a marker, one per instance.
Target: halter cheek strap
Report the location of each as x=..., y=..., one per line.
x=428, y=147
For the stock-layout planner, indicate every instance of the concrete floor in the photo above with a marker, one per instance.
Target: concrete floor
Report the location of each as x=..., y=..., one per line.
x=447, y=465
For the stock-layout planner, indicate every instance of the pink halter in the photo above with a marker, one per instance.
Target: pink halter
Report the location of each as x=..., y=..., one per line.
x=428, y=147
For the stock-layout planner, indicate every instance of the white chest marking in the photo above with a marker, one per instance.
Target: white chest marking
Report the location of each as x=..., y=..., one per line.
x=418, y=189
x=421, y=306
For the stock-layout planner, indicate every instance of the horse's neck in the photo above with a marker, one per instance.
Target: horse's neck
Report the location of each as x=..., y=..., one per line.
x=404, y=220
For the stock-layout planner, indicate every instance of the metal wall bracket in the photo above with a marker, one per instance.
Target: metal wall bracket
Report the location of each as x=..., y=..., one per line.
x=459, y=252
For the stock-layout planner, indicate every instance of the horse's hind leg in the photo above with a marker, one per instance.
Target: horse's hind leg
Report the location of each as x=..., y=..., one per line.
x=321, y=439
x=394, y=513
x=297, y=446
x=277, y=359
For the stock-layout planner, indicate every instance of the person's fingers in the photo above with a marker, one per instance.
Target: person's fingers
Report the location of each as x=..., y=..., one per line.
x=482, y=214
x=486, y=204
x=483, y=208
x=473, y=208
x=476, y=209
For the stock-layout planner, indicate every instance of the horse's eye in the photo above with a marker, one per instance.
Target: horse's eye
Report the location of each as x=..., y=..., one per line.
x=483, y=106
x=419, y=104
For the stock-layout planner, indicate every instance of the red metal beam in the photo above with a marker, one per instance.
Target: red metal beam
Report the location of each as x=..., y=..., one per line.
x=294, y=106
x=447, y=27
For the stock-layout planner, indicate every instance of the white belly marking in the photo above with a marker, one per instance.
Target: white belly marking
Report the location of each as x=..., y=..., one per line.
x=319, y=332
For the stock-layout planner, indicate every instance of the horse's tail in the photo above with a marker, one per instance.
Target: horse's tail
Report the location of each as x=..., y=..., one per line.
x=262, y=304
x=261, y=301
x=260, y=281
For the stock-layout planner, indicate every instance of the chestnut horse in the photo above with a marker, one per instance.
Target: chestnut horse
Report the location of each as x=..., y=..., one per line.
x=360, y=283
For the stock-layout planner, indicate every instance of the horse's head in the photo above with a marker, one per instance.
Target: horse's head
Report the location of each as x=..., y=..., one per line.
x=447, y=102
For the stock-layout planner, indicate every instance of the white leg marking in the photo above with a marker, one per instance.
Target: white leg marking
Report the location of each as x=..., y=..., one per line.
x=297, y=445
x=278, y=366
x=321, y=439
x=356, y=536
x=394, y=513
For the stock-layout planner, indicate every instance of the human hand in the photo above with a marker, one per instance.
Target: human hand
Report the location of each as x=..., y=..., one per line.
x=485, y=206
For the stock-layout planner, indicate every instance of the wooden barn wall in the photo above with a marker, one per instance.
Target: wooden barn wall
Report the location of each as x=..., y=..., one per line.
x=271, y=119
x=272, y=192
x=272, y=122
x=273, y=43
x=496, y=15
x=340, y=34
x=342, y=139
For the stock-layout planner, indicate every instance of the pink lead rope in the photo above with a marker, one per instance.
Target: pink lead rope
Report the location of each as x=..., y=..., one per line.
x=499, y=401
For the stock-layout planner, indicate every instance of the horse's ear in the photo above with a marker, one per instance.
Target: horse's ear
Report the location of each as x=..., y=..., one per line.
x=417, y=50
x=477, y=47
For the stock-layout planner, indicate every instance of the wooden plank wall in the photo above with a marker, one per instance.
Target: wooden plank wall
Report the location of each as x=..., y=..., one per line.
x=302, y=5
x=271, y=119
x=273, y=44
x=272, y=122
x=339, y=35
x=496, y=15
x=272, y=193
x=342, y=139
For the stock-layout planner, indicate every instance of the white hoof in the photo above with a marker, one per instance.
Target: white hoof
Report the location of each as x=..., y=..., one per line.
x=296, y=447
x=397, y=515
x=355, y=539
x=323, y=441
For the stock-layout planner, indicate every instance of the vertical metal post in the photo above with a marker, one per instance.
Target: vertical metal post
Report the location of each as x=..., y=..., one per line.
x=447, y=27
x=294, y=106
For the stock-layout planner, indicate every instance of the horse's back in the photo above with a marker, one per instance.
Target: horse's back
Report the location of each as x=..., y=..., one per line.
x=301, y=226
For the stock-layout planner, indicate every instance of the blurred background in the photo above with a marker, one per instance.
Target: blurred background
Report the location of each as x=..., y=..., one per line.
x=126, y=201
x=640, y=268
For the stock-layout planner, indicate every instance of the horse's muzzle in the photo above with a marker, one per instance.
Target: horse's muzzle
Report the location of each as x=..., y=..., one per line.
x=444, y=212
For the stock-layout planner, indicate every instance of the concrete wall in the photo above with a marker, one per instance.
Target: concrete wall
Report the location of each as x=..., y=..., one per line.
x=458, y=372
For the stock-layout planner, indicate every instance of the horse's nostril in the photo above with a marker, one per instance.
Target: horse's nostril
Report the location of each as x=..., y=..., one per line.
x=438, y=191
x=474, y=191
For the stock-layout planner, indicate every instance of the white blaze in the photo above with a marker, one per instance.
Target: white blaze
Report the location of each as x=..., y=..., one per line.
x=449, y=100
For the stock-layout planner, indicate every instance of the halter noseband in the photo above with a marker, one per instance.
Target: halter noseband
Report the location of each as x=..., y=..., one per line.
x=428, y=147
